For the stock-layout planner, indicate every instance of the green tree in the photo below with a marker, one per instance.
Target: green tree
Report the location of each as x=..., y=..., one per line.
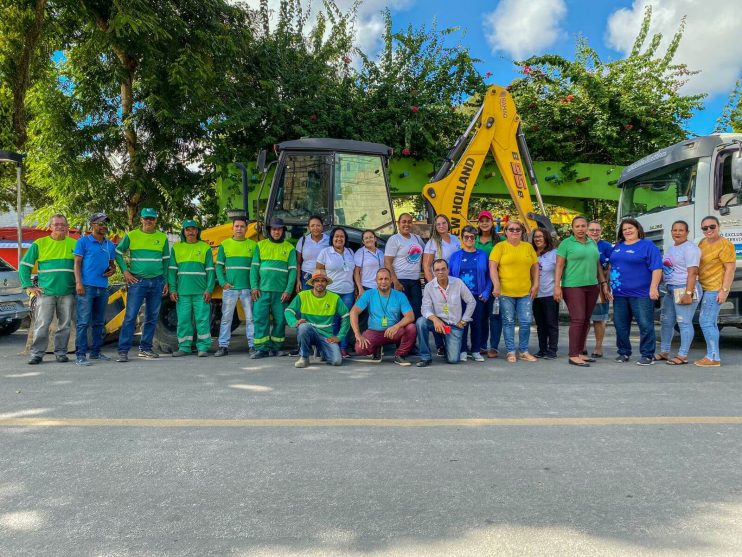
x=731, y=114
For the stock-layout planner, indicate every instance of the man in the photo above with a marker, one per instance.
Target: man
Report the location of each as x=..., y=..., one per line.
x=403, y=257
x=312, y=313
x=390, y=320
x=54, y=255
x=272, y=279
x=149, y=256
x=94, y=263
x=233, y=262
x=442, y=313
x=599, y=316
x=191, y=282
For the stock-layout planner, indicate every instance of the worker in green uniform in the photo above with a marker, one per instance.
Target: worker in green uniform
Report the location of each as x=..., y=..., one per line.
x=55, y=294
x=272, y=278
x=191, y=281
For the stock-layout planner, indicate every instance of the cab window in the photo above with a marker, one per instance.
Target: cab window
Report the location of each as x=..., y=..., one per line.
x=727, y=196
x=660, y=190
x=303, y=187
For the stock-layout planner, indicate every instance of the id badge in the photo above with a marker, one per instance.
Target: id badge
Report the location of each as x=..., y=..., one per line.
x=445, y=309
x=384, y=321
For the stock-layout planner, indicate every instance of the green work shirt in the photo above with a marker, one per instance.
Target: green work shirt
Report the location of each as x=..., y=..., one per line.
x=319, y=311
x=580, y=262
x=273, y=267
x=191, y=268
x=486, y=247
x=149, y=254
x=56, y=265
x=233, y=261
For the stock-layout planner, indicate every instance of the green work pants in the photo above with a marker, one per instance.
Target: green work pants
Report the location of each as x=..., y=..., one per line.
x=269, y=336
x=192, y=308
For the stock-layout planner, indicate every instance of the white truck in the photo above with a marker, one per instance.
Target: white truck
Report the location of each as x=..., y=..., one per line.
x=689, y=181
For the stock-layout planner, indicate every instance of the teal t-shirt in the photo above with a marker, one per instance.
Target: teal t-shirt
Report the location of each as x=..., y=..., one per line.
x=391, y=307
x=581, y=262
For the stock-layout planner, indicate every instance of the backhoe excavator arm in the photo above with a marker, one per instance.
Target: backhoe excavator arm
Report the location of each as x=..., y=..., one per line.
x=495, y=129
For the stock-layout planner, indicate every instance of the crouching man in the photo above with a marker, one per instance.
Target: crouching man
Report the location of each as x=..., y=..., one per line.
x=312, y=313
x=390, y=320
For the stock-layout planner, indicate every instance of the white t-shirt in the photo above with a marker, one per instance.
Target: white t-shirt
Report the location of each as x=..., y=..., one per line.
x=309, y=250
x=448, y=248
x=369, y=263
x=339, y=268
x=407, y=254
x=677, y=260
x=546, y=268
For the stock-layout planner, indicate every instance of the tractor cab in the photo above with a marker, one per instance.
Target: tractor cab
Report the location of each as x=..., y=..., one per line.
x=345, y=182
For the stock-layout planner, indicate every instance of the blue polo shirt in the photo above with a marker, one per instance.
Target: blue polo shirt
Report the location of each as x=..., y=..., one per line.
x=393, y=307
x=96, y=257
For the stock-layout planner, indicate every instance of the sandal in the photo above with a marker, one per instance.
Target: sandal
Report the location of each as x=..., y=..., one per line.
x=511, y=357
x=661, y=356
x=677, y=361
x=527, y=357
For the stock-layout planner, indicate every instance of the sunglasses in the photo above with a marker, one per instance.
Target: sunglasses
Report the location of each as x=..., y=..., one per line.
x=513, y=230
x=708, y=227
x=469, y=236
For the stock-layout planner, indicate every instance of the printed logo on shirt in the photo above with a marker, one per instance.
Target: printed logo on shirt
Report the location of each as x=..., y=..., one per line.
x=615, y=279
x=667, y=267
x=414, y=254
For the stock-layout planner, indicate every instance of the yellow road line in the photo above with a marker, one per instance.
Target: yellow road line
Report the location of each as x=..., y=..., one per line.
x=372, y=422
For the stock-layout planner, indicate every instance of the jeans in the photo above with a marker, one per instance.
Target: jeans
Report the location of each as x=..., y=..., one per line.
x=677, y=313
x=452, y=340
x=44, y=310
x=348, y=299
x=91, y=311
x=149, y=292
x=229, y=303
x=307, y=336
x=491, y=325
x=475, y=329
x=546, y=315
x=708, y=319
x=642, y=310
x=510, y=308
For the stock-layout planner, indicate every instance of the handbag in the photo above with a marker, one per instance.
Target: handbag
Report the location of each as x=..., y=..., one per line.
x=678, y=293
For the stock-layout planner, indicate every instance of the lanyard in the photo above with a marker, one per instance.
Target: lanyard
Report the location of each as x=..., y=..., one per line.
x=443, y=294
x=383, y=307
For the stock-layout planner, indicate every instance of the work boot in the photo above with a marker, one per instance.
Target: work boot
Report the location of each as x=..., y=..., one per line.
x=179, y=354
x=62, y=358
x=203, y=354
x=301, y=362
x=35, y=360
x=259, y=354
x=221, y=351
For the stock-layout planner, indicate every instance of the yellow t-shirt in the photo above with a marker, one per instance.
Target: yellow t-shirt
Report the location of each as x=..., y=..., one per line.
x=514, y=267
x=713, y=257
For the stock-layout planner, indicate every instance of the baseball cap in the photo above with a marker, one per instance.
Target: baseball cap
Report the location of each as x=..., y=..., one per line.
x=97, y=218
x=190, y=223
x=148, y=212
x=485, y=214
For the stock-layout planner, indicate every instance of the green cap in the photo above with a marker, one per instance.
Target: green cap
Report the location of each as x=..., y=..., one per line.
x=148, y=212
x=190, y=223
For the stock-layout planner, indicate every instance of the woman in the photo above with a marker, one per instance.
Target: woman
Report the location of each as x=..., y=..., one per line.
x=635, y=273
x=578, y=278
x=491, y=323
x=680, y=273
x=337, y=260
x=307, y=249
x=545, y=307
x=716, y=273
x=368, y=260
x=514, y=275
x=471, y=266
x=440, y=246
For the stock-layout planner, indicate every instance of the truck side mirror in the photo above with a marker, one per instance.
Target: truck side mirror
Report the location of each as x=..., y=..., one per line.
x=261, y=161
x=737, y=170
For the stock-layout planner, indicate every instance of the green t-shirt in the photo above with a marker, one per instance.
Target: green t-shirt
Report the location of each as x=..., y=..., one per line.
x=233, y=261
x=486, y=247
x=149, y=254
x=55, y=260
x=580, y=262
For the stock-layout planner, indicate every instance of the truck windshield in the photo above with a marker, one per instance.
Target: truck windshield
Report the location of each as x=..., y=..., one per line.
x=303, y=187
x=660, y=190
x=361, y=194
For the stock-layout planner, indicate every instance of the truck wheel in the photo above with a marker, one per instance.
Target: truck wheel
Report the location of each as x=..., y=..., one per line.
x=10, y=327
x=166, y=331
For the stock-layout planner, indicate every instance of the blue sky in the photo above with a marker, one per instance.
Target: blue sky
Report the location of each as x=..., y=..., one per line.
x=498, y=31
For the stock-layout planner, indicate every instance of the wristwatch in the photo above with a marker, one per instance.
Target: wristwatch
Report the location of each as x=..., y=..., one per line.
x=724, y=289
x=689, y=292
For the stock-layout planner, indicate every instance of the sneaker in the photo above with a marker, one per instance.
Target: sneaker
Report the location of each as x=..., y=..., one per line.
x=62, y=358
x=622, y=359
x=259, y=354
x=423, y=363
x=345, y=354
x=441, y=352
x=644, y=361
x=550, y=356
x=35, y=360
x=463, y=357
x=203, y=354
x=703, y=362
x=301, y=362
x=101, y=357
x=148, y=354
x=402, y=361
x=294, y=352
x=83, y=361
x=221, y=351
x=179, y=354
x=540, y=354
x=123, y=357
x=377, y=356
x=478, y=357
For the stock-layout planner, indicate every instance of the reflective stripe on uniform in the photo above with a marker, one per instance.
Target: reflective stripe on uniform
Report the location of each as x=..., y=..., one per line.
x=275, y=269
x=158, y=259
x=55, y=270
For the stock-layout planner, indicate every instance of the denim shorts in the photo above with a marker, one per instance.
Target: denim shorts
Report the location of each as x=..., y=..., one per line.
x=600, y=313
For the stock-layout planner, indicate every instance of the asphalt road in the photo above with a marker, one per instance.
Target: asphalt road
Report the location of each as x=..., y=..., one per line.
x=241, y=457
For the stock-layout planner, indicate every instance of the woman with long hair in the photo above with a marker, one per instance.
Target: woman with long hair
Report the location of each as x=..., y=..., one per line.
x=442, y=245
x=307, y=249
x=545, y=308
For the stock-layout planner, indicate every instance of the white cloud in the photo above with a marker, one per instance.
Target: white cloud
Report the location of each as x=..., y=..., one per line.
x=522, y=28
x=710, y=42
x=369, y=24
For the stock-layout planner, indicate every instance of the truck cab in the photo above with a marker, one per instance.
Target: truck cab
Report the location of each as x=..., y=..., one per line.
x=689, y=181
x=343, y=181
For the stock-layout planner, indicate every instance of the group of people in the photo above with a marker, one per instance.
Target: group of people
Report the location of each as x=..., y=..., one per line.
x=477, y=287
